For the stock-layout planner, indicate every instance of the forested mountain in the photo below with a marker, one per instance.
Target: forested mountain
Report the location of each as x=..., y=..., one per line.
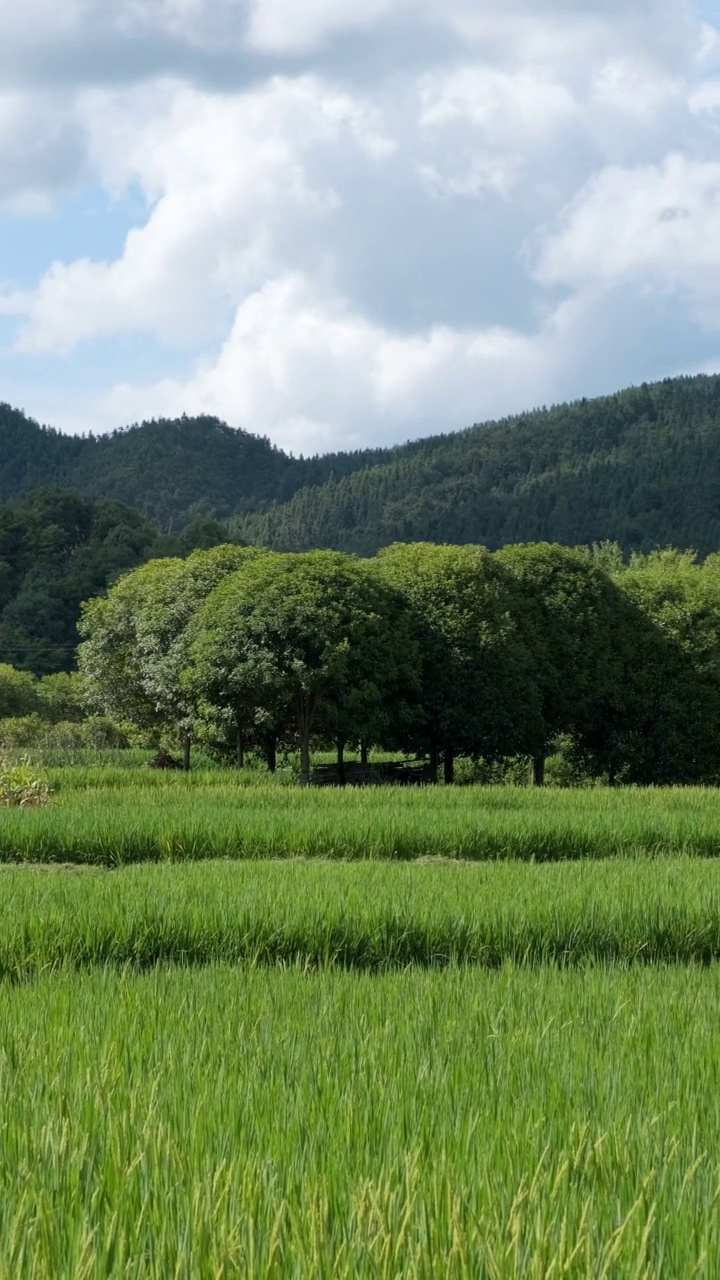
x=169, y=470
x=641, y=467
x=57, y=549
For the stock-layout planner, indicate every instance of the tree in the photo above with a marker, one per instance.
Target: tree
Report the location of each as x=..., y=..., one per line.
x=568, y=611
x=61, y=696
x=315, y=641
x=135, y=647
x=676, y=735
x=479, y=695
x=18, y=692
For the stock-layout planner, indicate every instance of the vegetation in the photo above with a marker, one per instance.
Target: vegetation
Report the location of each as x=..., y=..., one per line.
x=57, y=550
x=441, y=651
x=22, y=786
x=619, y=467
x=484, y=1040
x=513, y=1125
x=175, y=472
x=114, y=816
x=362, y=916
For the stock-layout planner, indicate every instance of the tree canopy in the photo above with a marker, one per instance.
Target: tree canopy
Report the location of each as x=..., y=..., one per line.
x=440, y=651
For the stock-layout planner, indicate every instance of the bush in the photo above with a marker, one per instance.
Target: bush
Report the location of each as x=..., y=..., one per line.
x=21, y=731
x=22, y=786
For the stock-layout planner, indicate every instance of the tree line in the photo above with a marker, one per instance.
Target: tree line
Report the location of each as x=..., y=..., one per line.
x=439, y=651
x=56, y=550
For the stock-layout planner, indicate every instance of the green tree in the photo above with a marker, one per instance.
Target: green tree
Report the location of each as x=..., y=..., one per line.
x=18, y=692
x=676, y=727
x=135, y=647
x=315, y=641
x=479, y=695
x=61, y=696
x=568, y=611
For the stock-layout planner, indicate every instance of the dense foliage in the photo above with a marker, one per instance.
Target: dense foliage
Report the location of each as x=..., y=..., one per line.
x=103, y=815
x=620, y=467
x=438, y=650
x=56, y=550
x=172, y=471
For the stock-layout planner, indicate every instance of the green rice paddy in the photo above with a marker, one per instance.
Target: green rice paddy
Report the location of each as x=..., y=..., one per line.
x=140, y=816
x=239, y=1122
x=259, y=1031
x=364, y=916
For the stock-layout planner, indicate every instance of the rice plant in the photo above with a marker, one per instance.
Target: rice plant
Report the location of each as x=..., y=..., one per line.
x=508, y=1126
x=100, y=817
x=361, y=916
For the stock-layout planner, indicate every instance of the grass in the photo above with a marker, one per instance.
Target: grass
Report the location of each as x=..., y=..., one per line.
x=112, y=817
x=224, y=1122
x=364, y=916
x=460, y=1033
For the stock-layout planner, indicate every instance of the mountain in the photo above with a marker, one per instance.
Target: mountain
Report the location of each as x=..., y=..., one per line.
x=57, y=549
x=169, y=470
x=641, y=467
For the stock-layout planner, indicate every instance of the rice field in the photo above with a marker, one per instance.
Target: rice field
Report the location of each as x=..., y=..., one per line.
x=110, y=818
x=237, y=1122
x=361, y=916
x=259, y=1031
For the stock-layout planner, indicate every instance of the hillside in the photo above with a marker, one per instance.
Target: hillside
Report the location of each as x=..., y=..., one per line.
x=641, y=467
x=168, y=470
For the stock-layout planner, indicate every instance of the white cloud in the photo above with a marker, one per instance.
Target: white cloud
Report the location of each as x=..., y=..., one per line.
x=305, y=368
x=224, y=175
x=655, y=225
x=525, y=103
x=285, y=26
x=364, y=215
x=635, y=88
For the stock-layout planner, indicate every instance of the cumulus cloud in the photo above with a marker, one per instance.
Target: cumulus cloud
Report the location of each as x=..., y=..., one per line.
x=366, y=222
x=41, y=150
x=658, y=226
x=225, y=177
x=300, y=365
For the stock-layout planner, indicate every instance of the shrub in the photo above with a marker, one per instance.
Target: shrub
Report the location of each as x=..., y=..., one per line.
x=22, y=786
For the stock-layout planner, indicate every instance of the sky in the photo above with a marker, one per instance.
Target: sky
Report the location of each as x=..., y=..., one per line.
x=343, y=224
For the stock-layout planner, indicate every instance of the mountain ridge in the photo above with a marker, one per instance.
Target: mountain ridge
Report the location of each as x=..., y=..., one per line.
x=641, y=466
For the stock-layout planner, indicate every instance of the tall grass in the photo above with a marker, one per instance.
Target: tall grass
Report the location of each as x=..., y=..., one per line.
x=365, y=916
x=143, y=816
x=225, y=1123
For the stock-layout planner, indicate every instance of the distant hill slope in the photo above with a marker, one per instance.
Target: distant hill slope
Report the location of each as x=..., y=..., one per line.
x=641, y=467
x=168, y=470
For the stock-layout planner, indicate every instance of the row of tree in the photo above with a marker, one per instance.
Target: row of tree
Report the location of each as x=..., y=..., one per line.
x=442, y=651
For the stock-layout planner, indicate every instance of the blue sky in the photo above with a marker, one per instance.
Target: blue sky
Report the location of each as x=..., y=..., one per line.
x=342, y=225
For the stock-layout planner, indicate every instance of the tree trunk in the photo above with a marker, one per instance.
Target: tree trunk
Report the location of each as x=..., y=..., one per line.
x=271, y=752
x=240, y=748
x=305, y=758
x=539, y=771
x=186, y=752
x=449, y=767
x=341, y=761
x=364, y=753
x=305, y=714
x=433, y=763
